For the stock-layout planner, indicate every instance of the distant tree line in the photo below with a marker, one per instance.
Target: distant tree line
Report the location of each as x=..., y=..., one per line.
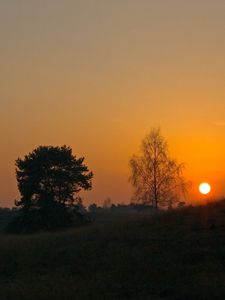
x=127, y=208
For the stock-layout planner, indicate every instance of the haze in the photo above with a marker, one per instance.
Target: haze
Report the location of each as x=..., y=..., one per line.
x=98, y=75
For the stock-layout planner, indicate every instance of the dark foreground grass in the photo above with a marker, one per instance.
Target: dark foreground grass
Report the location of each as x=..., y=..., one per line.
x=174, y=255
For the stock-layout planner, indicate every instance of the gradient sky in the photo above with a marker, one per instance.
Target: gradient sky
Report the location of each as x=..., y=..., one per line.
x=98, y=75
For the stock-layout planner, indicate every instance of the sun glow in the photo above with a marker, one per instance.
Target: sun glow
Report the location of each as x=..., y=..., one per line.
x=204, y=188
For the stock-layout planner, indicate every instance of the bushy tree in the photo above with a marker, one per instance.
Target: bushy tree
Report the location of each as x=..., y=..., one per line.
x=156, y=177
x=49, y=180
x=51, y=175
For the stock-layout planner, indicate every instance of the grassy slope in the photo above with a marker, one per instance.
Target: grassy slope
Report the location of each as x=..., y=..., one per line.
x=175, y=255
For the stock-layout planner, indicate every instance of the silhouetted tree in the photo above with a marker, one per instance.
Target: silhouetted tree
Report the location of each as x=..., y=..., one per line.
x=156, y=177
x=51, y=175
x=49, y=180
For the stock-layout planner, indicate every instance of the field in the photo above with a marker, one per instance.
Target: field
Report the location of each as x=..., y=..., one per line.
x=173, y=255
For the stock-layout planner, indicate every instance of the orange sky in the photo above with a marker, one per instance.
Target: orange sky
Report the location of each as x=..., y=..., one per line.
x=98, y=75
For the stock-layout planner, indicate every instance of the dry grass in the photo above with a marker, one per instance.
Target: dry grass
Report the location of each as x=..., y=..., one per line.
x=173, y=255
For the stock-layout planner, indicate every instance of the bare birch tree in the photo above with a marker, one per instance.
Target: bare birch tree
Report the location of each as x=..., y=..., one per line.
x=156, y=177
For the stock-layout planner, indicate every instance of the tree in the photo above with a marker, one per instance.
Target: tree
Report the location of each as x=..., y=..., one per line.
x=49, y=176
x=49, y=180
x=156, y=177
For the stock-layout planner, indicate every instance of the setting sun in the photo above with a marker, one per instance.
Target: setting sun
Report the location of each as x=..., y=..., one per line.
x=204, y=188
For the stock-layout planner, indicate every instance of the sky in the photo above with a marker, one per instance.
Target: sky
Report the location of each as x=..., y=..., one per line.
x=97, y=75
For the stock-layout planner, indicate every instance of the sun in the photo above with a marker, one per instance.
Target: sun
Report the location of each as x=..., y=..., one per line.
x=204, y=188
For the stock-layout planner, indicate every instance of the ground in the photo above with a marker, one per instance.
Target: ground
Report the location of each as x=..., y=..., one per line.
x=173, y=255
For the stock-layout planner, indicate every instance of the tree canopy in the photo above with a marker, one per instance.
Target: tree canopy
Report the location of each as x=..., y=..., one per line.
x=156, y=177
x=51, y=175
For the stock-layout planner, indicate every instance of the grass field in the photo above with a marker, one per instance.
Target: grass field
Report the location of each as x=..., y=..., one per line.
x=173, y=255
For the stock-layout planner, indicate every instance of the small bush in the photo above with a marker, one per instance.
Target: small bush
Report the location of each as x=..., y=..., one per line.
x=41, y=220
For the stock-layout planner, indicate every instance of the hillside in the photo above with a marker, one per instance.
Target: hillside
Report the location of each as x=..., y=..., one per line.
x=172, y=255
